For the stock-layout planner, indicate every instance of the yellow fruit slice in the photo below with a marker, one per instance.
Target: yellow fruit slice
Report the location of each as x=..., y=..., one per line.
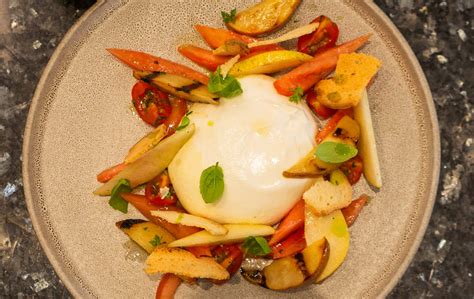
x=333, y=227
x=366, y=145
x=269, y=62
x=152, y=163
x=235, y=233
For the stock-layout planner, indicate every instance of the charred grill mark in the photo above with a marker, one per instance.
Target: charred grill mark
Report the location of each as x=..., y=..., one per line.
x=127, y=224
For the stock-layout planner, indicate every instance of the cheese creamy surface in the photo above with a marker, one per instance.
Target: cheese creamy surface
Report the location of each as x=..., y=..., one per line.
x=254, y=137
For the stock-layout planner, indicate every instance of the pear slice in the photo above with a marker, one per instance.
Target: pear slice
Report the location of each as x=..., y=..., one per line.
x=333, y=227
x=152, y=163
x=146, y=143
x=366, y=145
x=235, y=233
x=269, y=62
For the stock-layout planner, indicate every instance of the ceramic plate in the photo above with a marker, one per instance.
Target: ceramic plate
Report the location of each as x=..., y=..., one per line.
x=80, y=123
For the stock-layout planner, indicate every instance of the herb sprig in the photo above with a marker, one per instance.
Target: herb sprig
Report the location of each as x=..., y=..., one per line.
x=298, y=93
x=227, y=86
x=229, y=17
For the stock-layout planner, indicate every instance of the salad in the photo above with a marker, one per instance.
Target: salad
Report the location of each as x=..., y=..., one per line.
x=243, y=173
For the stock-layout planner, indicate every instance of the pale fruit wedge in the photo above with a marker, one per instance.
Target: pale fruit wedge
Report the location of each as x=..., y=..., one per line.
x=283, y=274
x=151, y=163
x=235, y=233
x=333, y=227
x=182, y=262
x=269, y=62
x=145, y=144
x=264, y=17
x=367, y=146
x=315, y=257
x=145, y=233
x=212, y=227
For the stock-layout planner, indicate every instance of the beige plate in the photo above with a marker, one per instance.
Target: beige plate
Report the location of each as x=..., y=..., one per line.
x=80, y=123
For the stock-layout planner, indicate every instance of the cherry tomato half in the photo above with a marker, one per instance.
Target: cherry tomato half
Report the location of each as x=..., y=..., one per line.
x=178, y=110
x=153, y=194
x=315, y=105
x=151, y=104
x=325, y=37
x=353, y=169
x=229, y=256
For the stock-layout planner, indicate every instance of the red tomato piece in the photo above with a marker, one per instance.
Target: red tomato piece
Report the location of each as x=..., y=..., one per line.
x=353, y=169
x=178, y=110
x=229, y=256
x=153, y=195
x=151, y=104
x=353, y=210
x=325, y=37
x=315, y=105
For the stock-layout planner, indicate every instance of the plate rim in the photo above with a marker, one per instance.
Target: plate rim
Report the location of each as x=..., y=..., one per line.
x=70, y=281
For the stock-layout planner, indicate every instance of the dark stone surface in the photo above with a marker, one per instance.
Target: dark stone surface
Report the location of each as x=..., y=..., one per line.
x=440, y=32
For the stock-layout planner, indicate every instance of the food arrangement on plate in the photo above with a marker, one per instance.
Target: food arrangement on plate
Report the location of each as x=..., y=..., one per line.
x=244, y=172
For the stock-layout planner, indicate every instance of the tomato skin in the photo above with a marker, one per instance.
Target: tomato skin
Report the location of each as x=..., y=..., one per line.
x=178, y=110
x=324, y=38
x=152, y=105
x=353, y=169
x=316, y=106
x=353, y=210
x=152, y=191
x=229, y=256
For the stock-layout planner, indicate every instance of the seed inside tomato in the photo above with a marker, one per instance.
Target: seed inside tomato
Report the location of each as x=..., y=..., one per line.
x=152, y=105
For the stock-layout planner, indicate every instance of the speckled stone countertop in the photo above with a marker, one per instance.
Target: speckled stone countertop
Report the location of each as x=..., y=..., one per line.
x=441, y=34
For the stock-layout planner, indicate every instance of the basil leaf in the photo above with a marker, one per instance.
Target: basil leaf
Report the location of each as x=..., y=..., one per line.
x=211, y=183
x=184, y=122
x=335, y=152
x=227, y=87
x=229, y=17
x=297, y=95
x=116, y=201
x=256, y=246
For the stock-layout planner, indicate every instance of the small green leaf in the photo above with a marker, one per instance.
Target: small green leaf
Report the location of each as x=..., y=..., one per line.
x=256, y=246
x=229, y=17
x=335, y=152
x=211, y=183
x=116, y=201
x=184, y=122
x=155, y=241
x=297, y=95
x=227, y=87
